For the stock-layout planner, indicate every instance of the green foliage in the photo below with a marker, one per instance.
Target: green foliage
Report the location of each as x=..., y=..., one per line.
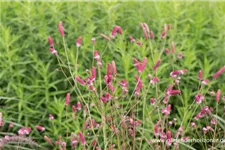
x=31, y=87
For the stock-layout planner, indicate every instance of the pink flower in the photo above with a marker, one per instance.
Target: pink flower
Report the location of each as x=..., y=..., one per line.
x=78, y=106
x=218, y=73
x=174, y=92
x=124, y=83
x=111, y=87
x=154, y=80
x=60, y=26
x=50, y=41
x=93, y=74
x=97, y=58
x=213, y=121
x=11, y=124
x=163, y=35
x=24, y=131
x=132, y=39
x=168, y=138
x=74, y=108
x=200, y=75
x=145, y=29
x=116, y=29
x=152, y=101
x=139, y=86
x=152, y=34
x=82, y=138
x=199, y=98
x=105, y=37
x=224, y=98
x=51, y=117
x=156, y=128
x=81, y=81
x=180, y=55
x=166, y=111
x=204, y=130
x=156, y=65
x=40, y=128
x=94, y=142
x=47, y=139
x=140, y=66
x=139, y=43
x=218, y=95
x=193, y=124
x=67, y=99
x=106, y=97
x=173, y=47
x=168, y=27
x=177, y=72
x=114, y=68
x=204, y=82
x=53, y=51
x=131, y=132
x=167, y=51
x=78, y=43
x=93, y=41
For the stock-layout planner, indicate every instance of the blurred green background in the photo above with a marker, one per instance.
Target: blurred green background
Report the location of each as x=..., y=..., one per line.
x=31, y=88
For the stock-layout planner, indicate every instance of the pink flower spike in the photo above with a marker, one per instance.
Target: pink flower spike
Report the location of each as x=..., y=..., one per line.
x=93, y=41
x=156, y=65
x=51, y=117
x=78, y=43
x=223, y=98
x=40, y=128
x=78, y=106
x=139, y=43
x=105, y=37
x=74, y=108
x=204, y=130
x=93, y=73
x=200, y=75
x=156, y=128
x=168, y=27
x=218, y=73
x=174, y=92
x=114, y=68
x=193, y=124
x=81, y=81
x=143, y=64
x=179, y=56
x=144, y=30
x=132, y=39
x=173, y=47
x=109, y=69
x=218, y=95
x=199, y=98
x=163, y=35
x=50, y=41
x=82, y=138
x=152, y=34
x=67, y=99
x=204, y=82
x=152, y=101
x=116, y=29
x=61, y=30
x=166, y=111
x=47, y=139
x=213, y=121
x=168, y=138
x=167, y=51
x=53, y=51
x=154, y=80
